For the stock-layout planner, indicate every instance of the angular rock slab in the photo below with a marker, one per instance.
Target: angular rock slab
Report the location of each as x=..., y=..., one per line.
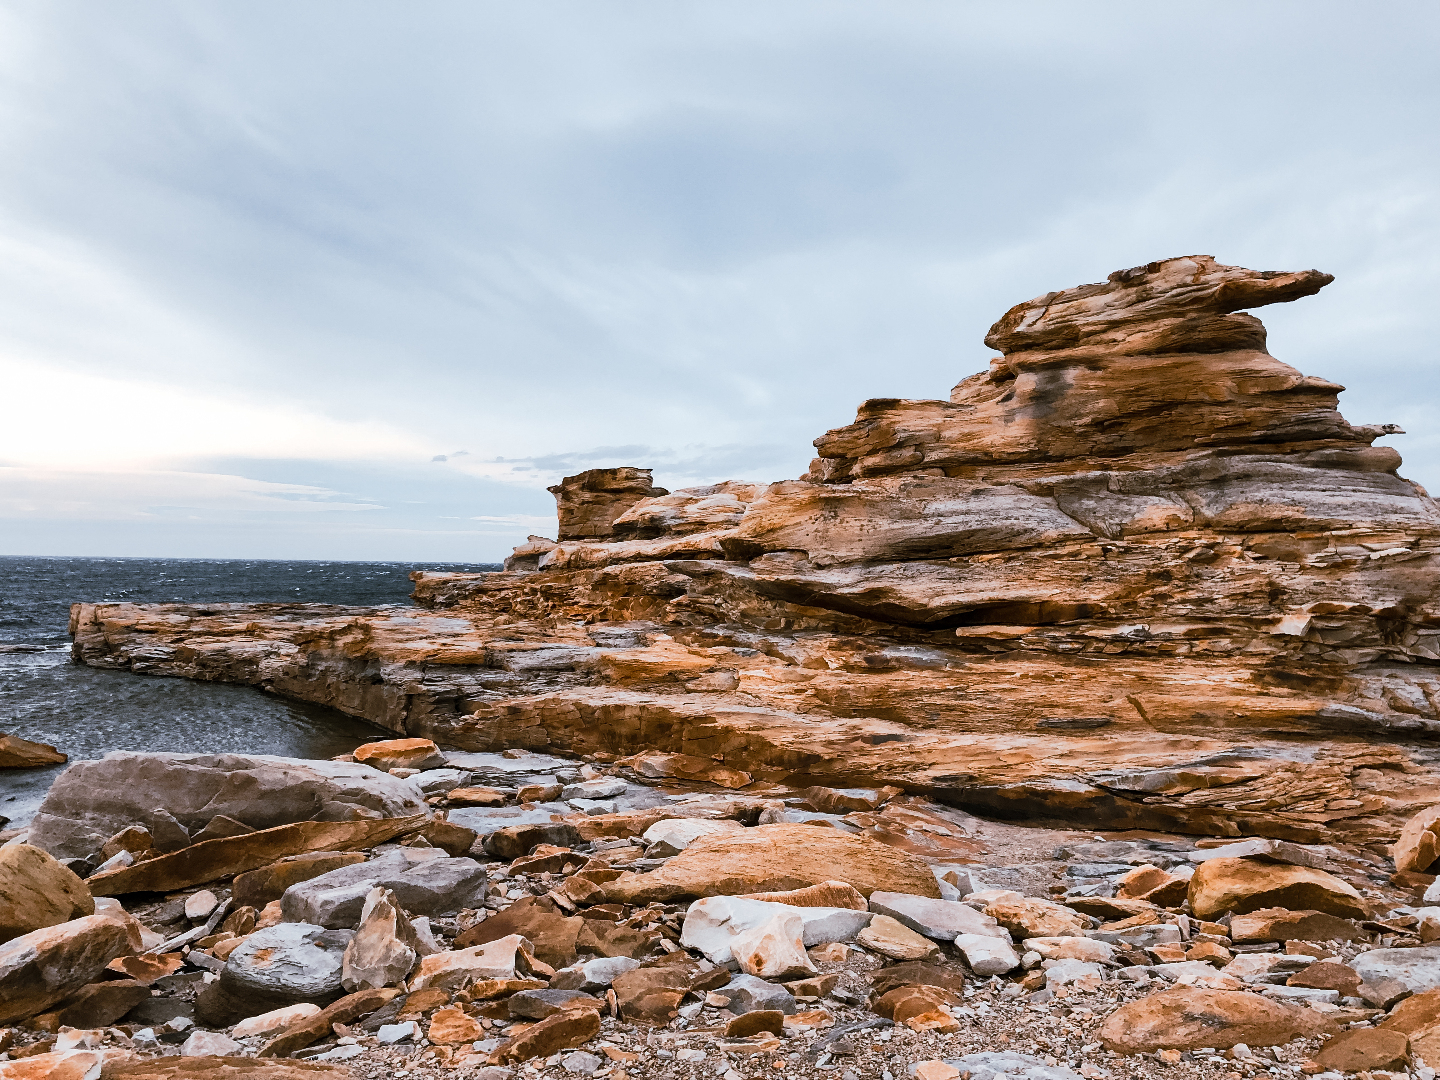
x=1418, y=845
x=294, y=961
x=987, y=955
x=93, y=800
x=1186, y=1018
x=939, y=920
x=45, y=966
x=775, y=857
x=424, y=881
x=1239, y=886
x=774, y=949
x=712, y=924
x=256, y=888
x=384, y=948
x=214, y=859
x=1418, y=969
x=36, y=892
x=455, y=969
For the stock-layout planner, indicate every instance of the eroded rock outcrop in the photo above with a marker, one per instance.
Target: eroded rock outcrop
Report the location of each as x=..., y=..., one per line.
x=1139, y=573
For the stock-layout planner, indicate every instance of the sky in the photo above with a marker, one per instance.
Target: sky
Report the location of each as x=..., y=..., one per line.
x=351, y=279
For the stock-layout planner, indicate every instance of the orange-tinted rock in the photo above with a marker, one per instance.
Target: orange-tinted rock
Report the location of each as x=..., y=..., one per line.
x=147, y=968
x=1418, y=847
x=451, y=1026
x=400, y=754
x=216, y=858
x=315, y=1027
x=772, y=858
x=535, y=919
x=258, y=887
x=1282, y=924
x=557, y=1032
x=18, y=753
x=43, y=967
x=1326, y=975
x=1222, y=886
x=1185, y=1018
x=36, y=892
x=907, y=1001
x=1362, y=1049
x=826, y=894
x=97, y=1005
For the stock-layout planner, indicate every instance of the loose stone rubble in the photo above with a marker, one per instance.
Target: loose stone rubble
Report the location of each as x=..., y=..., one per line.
x=690, y=791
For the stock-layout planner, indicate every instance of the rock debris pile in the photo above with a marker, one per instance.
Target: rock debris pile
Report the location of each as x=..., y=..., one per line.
x=523, y=915
x=687, y=791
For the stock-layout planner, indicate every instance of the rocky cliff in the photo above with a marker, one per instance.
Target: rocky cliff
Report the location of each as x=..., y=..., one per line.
x=1139, y=573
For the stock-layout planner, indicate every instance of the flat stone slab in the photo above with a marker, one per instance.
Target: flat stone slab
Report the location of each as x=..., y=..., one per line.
x=939, y=920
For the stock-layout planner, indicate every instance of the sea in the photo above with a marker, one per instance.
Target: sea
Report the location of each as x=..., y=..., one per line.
x=87, y=712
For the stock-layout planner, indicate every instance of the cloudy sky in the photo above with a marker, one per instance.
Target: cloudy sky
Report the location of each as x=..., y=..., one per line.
x=357, y=279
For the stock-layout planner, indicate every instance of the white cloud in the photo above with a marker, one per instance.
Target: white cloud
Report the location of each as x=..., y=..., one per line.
x=120, y=495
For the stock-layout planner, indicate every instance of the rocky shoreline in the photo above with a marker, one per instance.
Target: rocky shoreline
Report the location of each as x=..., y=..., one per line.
x=1079, y=725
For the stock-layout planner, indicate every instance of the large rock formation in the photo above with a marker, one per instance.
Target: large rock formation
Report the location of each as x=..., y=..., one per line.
x=1139, y=573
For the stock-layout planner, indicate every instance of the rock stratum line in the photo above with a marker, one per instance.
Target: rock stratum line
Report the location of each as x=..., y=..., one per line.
x=1138, y=574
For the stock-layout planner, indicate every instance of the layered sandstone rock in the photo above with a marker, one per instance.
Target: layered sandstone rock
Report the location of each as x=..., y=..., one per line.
x=1139, y=573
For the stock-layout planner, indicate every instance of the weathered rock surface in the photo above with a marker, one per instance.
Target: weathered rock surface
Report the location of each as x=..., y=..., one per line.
x=384, y=948
x=1238, y=886
x=1139, y=574
x=424, y=881
x=18, y=753
x=45, y=966
x=91, y=801
x=775, y=857
x=36, y=892
x=213, y=859
x=1185, y=1018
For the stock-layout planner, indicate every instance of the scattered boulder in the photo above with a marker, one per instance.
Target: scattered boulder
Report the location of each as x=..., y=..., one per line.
x=904, y=1002
x=988, y=955
x=1418, y=969
x=384, y=948
x=775, y=857
x=215, y=859
x=537, y=920
x=1027, y=917
x=558, y=1032
x=712, y=923
x=774, y=949
x=97, y=1005
x=1243, y=885
x=593, y=976
x=1327, y=975
x=674, y=835
x=451, y=1026
x=46, y=966
x=424, y=880
x=1418, y=846
x=896, y=940
x=1362, y=1049
x=316, y=1026
x=455, y=969
x=258, y=887
x=1185, y=1018
x=36, y=892
x=282, y=965
x=18, y=753
x=1072, y=948
x=175, y=796
x=941, y=920
x=274, y=1021
x=209, y=1044
x=390, y=754
x=748, y=993
x=828, y=894
x=511, y=842
x=1281, y=924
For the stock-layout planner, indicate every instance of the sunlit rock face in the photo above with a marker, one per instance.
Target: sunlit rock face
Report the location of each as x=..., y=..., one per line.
x=1139, y=573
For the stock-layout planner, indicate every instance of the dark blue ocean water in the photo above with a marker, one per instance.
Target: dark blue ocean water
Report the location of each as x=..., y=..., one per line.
x=87, y=712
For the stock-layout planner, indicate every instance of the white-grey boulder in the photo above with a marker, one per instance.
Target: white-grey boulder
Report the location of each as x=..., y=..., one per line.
x=939, y=920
